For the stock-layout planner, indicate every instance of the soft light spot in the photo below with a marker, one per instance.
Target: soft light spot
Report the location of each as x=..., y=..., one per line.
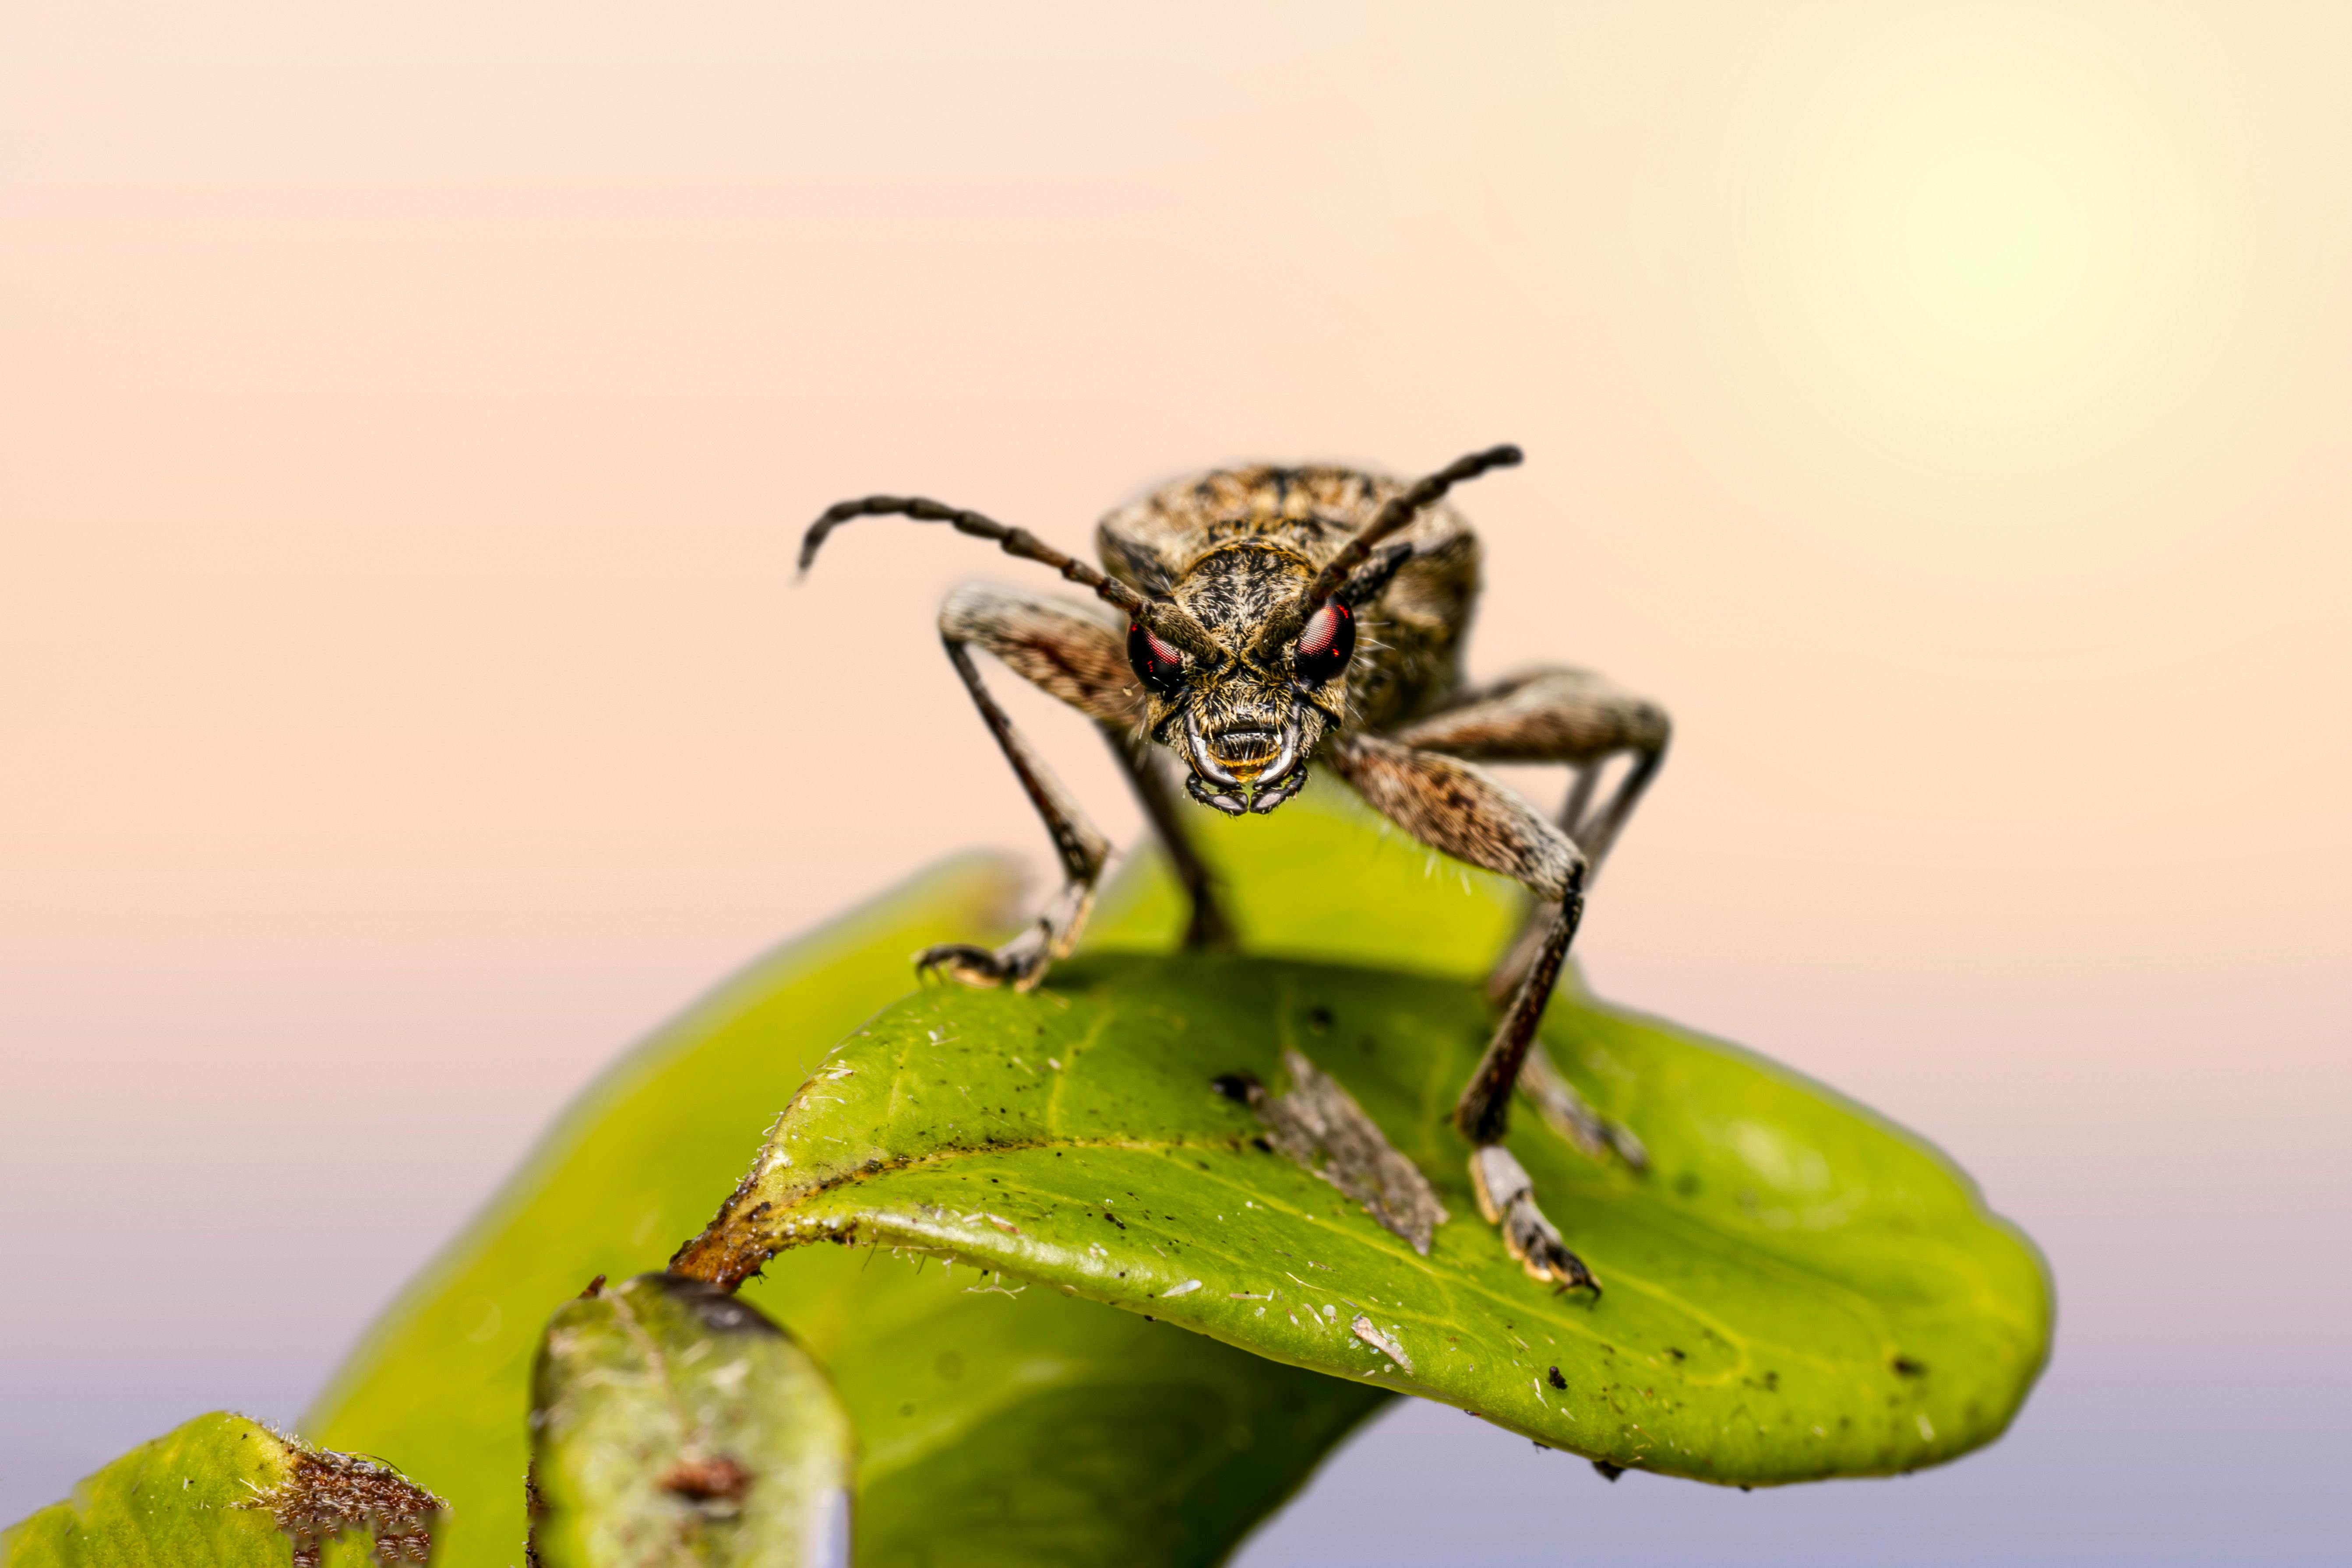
x=486, y=1322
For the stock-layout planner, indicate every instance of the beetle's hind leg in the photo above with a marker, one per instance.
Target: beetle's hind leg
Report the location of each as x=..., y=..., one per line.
x=1076, y=657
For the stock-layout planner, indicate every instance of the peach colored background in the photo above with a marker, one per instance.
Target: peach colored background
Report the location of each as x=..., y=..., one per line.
x=406, y=416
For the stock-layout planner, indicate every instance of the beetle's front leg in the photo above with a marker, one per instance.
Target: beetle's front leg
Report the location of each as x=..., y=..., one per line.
x=1456, y=808
x=1575, y=717
x=1078, y=659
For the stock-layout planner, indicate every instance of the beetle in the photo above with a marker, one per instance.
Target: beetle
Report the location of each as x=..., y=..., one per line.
x=1277, y=618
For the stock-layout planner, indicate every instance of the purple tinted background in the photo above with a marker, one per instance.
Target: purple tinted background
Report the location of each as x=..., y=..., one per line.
x=407, y=419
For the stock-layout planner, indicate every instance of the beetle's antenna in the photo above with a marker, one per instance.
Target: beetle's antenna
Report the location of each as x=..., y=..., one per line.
x=1343, y=574
x=1162, y=618
x=1400, y=512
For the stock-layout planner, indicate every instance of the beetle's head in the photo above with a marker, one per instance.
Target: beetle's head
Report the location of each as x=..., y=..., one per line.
x=1246, y=717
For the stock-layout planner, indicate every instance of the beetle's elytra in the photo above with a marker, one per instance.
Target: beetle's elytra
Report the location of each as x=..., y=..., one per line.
x=1277, y=617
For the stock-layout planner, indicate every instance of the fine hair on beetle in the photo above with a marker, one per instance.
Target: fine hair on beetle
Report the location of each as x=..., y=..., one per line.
x=1274, y=618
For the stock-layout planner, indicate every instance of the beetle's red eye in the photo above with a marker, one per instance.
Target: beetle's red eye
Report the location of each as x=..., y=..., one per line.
x=1159, y=665
x=1327, y=644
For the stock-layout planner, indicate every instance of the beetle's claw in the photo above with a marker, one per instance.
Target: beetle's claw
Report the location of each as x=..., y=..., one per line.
x=1021, y=961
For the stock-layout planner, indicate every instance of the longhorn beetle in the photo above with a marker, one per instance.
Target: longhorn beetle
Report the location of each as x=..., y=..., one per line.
x=1276, y=616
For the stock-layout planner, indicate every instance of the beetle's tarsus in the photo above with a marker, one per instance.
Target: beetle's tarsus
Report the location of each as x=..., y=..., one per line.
x=1023, y=961
x=975, y=966
x=1506, y=1198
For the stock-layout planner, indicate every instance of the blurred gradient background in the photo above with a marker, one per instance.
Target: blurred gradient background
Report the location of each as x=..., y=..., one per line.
x=408, y=415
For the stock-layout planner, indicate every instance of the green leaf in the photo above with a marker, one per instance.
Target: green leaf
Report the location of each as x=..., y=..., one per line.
x=1796, y=1289
x=993, y=1428
x=1323, y=879
x=227, y=1492
x=1035, y=1428
x=670, y=1424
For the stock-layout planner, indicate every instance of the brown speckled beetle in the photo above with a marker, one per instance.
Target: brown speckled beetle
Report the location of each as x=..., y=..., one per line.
x=1277, y=615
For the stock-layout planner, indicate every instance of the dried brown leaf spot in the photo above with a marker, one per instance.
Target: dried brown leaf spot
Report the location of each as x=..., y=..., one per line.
x=716, y=1479
x=1319, y=1126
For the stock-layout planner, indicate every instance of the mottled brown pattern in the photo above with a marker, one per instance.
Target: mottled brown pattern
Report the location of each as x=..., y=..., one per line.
x=1275, y=527
x=326, y=1493
x=1454, y=806
x=1057, y=648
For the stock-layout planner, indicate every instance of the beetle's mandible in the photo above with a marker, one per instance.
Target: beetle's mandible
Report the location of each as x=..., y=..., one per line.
x=1275, y=617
